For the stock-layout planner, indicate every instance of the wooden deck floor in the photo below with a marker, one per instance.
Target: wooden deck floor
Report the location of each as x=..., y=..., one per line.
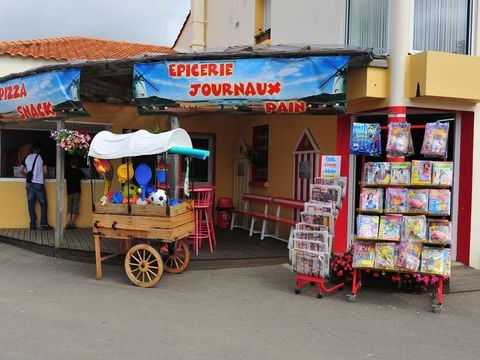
x=231, y=245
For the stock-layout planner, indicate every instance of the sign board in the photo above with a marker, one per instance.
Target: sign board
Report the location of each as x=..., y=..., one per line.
x=46, y=95
x=330, y=166
x=267, y=85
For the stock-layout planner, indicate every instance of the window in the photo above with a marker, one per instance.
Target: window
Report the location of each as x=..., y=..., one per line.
x=367, y=23
x=267, y=15
x=441, y=25
x=201, y=171
x=259, y=155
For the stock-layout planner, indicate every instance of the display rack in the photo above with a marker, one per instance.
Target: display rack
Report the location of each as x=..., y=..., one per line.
x=311, y=242
x=412, y=215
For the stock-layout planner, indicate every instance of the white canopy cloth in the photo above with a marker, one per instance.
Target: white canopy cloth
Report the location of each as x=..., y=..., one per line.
x=107, y=145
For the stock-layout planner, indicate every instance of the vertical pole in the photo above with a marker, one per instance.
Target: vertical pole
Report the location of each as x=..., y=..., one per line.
x=173, y=162
x=60, y=197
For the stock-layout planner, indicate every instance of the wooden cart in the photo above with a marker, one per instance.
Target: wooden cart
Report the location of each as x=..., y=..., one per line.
x=151, y=236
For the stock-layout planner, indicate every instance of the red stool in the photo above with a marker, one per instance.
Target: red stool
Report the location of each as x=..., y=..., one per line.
x=202, y=207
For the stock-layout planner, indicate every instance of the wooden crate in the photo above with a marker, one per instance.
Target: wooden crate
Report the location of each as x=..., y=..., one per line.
x=145, y=222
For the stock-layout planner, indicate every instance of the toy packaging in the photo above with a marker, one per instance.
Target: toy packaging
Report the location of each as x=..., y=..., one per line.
x=409, y=255
x=396, y=200
x=421, y=172
x=439, y=202
x=439, y=231
x=447, y=263
x=365, y=139
x=389, y=227
x=414, y=228
x=432, y=261
x=398, y=140
x=385, y=256
x=371, y=199
x=435, y=139
x=367, y=226
x=363, y=254
x=442, y=173
x=367, y=176
x=417, y=200
x=381, y=172
x=400, y=173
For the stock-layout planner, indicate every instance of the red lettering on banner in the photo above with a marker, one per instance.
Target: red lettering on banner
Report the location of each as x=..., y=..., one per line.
x=235, y=89
x=285, y=106
x=11, y=92
x=39, y=110
x=200, y=69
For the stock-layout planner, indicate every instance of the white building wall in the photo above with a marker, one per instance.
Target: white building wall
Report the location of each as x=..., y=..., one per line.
x=15, y=64
x=184, y=41
x=308, y=21
x=232, y=23
x=229, y=23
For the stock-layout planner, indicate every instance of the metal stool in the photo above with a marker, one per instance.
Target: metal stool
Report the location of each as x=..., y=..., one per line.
x=202, y=207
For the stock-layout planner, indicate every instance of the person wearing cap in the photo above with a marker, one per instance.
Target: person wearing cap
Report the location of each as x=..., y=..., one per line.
x=36, y=188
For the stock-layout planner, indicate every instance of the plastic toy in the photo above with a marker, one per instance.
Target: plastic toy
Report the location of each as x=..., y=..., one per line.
x=159, y=197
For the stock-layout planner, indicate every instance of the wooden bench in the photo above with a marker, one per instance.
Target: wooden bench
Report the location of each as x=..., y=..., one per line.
x=261, y=202
x=281, y=203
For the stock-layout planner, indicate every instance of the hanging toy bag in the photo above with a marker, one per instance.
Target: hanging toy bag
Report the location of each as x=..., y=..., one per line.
x=365, y=139
x=435, y=139
x=399, y=139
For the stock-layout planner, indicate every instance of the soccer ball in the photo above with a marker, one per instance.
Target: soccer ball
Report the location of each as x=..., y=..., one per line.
x=158, y=197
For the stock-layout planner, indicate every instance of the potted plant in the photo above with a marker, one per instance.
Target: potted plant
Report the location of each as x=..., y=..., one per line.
x=75, y=142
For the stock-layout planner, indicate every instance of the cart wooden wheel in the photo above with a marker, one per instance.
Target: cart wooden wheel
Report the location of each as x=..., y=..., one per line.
x=143, y=265
x=176, y=256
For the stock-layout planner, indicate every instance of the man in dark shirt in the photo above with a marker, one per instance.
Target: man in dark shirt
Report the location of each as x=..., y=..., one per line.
x=36, y=188
x=73, y=175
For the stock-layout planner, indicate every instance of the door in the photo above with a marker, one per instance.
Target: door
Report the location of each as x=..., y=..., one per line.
x=241, y=174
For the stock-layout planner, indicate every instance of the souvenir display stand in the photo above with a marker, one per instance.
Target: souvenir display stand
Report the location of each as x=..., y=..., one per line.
x=402, y=223
x=311, y=242
x=157, y=224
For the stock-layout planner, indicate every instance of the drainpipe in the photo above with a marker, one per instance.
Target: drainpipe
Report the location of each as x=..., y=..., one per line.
x=173, y=164
x=198, y=24
x=400, y=40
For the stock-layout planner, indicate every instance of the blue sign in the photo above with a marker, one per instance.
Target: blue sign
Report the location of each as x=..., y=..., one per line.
x=51, y=94
x=287, y=85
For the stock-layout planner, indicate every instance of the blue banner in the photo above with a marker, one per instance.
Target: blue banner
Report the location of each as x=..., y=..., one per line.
x=52, y=94
x=271, y=85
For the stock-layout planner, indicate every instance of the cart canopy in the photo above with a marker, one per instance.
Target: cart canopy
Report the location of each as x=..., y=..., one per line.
x=107, y=145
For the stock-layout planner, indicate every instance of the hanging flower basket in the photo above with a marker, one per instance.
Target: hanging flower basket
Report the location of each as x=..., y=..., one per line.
x=75, y=142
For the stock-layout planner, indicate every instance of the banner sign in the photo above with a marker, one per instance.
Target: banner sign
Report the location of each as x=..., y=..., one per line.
x=51, y=94
x=268, y=85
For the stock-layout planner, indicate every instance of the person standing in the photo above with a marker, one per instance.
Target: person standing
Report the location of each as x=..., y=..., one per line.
x=36, y=186
x=73, y=175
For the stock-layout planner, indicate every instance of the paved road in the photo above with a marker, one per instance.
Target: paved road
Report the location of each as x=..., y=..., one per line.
x=55, y=309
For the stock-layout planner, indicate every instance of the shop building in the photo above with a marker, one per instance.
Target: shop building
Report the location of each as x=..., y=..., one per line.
x=427, y=76
x=424, y=85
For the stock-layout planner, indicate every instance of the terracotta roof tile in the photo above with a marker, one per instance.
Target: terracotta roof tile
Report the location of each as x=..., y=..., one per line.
x=78, y=48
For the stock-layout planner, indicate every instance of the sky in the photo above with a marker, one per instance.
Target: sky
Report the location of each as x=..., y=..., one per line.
x=155, y=22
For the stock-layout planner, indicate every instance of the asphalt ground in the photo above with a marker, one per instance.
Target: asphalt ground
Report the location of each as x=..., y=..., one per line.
x=55, y=309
